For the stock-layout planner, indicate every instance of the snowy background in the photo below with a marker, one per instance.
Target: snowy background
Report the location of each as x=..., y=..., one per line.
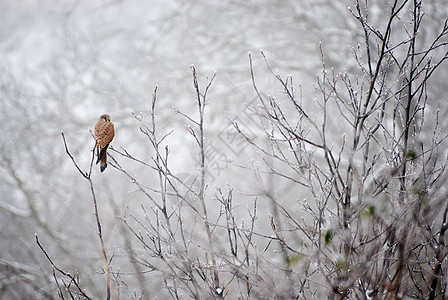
x=64, y=63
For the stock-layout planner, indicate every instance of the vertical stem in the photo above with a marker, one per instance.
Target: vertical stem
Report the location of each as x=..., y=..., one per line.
x=161, y=163
x=87, y=176
x=409, y=81
x=201, y=98
x=361, y=115
x=105, y=261
x=407, y=125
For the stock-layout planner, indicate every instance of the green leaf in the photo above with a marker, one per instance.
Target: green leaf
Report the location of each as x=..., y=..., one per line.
x=411, y=155
x=328, y=236
x=369, y=211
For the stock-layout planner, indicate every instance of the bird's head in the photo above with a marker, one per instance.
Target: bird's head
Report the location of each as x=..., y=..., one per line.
x=105, y=117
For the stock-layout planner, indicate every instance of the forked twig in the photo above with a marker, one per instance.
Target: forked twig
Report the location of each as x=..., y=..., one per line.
x=72, y=278
x=87, y=175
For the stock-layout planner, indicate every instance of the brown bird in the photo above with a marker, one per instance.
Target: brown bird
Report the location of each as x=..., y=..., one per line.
x=104, y=134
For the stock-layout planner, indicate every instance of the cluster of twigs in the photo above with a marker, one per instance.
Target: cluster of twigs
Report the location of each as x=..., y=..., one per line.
x=371, y=218
x=105, y=262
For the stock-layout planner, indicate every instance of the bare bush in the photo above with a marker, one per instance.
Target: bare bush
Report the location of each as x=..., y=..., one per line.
x=349, y=198
x=373, y=165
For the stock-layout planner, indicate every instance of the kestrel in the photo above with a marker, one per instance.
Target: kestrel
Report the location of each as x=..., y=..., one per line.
x=104, y=134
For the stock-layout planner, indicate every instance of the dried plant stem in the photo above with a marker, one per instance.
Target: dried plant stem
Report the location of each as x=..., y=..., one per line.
x=87, y=176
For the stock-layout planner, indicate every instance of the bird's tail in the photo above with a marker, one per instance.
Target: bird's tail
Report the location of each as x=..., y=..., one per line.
x=102, y=157
x=103, y=164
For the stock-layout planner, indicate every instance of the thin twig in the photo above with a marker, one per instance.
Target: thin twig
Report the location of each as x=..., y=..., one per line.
x=72, y=278
x=87, y=176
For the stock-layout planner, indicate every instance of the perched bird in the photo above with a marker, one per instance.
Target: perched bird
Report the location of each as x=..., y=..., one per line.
x=104, y=134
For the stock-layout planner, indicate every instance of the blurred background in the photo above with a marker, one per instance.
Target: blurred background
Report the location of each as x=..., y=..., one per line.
x=64, y=63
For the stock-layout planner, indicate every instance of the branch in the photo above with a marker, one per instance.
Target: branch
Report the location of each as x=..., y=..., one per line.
x=87, y=175
x=72, y=278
